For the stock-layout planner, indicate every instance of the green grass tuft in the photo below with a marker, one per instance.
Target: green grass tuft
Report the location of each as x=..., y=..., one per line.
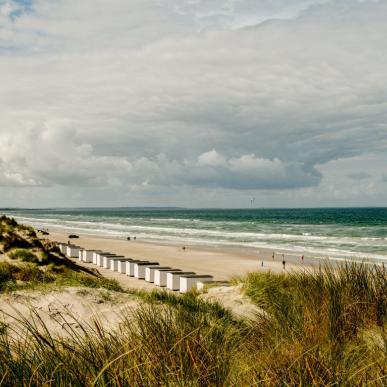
x=24, y=255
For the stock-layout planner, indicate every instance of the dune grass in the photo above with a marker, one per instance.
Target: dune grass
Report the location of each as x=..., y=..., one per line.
x=320, y=328
x=24, y=255
x=14, y=235
x=39, y=264
x=30, y=276
x=326, y=327
x=156, y=345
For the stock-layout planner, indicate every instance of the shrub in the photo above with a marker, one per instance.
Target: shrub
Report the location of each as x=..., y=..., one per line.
x=32, y=273
x=98, y=282
x=24, y=255
x=31, y=232
x=8, y=221
x=13, y=241
x=6, y=274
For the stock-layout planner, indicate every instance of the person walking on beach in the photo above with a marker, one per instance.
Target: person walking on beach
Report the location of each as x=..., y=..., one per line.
x=283, y=261
x=302, y=259
x=272, y=256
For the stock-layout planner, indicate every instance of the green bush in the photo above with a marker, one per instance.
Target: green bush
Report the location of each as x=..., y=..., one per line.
x=8, y=221
x=7, y=272
x=24, y=255
x=98, y=282
x=14, y=241
x=32, y=273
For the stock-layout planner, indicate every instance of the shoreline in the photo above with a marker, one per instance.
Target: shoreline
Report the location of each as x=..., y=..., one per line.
x=311, y=251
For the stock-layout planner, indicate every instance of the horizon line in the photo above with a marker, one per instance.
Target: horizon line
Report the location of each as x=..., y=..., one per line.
x=188, y=208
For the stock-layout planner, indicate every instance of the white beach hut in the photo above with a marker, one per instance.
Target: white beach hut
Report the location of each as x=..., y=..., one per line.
x=113, y=262
x=96, y=255
x=106, y=260
x=173, y=279
x=121, y=268
x=100, y=258
x=72, y=251
x=139, y=268
x=187, y=282
x=160, y=276
x=130, y=266
x=87, y=255
x=63, y=248
x=150, y=272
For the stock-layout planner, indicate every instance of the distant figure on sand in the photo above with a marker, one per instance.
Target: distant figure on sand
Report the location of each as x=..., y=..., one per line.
x=262, y=263
x=183, y=248
x=302, y=259
x=283, y=261
x=272, y=256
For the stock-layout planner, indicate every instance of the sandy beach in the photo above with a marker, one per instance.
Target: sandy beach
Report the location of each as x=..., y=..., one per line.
x=223, y=263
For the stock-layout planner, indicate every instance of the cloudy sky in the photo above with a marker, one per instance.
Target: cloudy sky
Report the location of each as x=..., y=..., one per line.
x=198, y=103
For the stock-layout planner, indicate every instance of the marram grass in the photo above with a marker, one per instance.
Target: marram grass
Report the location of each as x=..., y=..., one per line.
x=323, y=328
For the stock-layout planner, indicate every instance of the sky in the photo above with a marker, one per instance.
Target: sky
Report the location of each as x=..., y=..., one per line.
x=193, y=103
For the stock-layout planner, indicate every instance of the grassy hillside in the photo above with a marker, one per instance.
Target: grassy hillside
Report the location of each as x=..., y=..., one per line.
x=26, y=262
x=322, y=328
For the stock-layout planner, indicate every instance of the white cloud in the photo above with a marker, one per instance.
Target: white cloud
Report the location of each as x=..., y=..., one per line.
x=135, y=94
x=212, y=159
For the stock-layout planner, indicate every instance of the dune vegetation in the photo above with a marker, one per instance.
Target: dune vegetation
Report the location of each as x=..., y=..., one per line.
x=31, y=263
x=326, y=327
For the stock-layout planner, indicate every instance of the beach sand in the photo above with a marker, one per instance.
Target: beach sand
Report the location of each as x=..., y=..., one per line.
x=222, y=263
x=73, y=306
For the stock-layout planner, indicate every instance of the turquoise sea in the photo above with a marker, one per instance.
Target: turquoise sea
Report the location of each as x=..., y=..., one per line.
x=335, y=232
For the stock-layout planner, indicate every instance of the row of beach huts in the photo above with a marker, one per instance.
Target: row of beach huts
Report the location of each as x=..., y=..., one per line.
x=163, y=276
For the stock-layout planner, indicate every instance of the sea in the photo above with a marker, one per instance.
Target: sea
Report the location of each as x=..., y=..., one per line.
x=338, y=233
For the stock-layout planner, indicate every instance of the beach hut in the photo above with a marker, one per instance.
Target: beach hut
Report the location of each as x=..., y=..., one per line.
x=160, y=276
x=121, y=266
x=187, y=282
x=113, y=265
x=100, y=258
x=96, y=256
x=63, y=248
x=106, y=260
x=72, y=251
x=173, y=279
x=139, y=268
x=87, y=255
x=150, y=272
x=130, y=266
